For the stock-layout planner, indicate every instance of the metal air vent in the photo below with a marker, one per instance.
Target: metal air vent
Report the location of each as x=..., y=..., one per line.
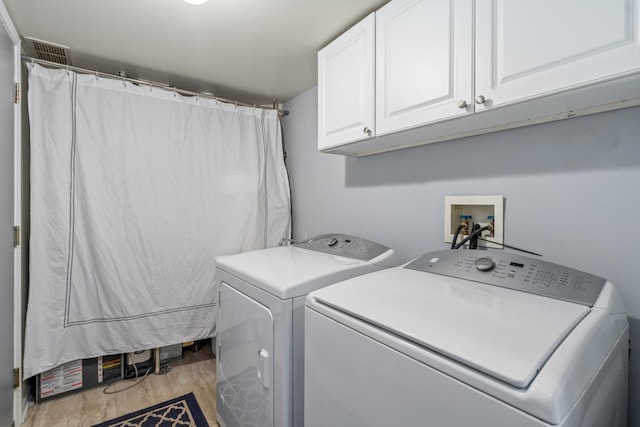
x=46, y=51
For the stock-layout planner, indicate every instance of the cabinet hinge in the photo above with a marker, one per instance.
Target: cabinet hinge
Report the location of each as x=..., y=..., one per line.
x=16, y=99
x=16, y=236
x=16, y=377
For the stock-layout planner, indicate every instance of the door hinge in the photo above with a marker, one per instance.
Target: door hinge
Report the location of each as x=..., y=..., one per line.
x=16, y=377
x=16, y=236
x=16, y=99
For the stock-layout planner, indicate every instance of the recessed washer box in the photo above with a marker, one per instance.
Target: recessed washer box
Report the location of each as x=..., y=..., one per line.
x=481, y=209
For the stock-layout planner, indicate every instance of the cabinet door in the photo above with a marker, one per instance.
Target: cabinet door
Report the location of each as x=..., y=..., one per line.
x=346, y=86
x=423, y=62
x=529, y=48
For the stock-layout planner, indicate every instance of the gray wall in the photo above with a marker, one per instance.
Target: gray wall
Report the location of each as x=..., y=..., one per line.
x=571, y=188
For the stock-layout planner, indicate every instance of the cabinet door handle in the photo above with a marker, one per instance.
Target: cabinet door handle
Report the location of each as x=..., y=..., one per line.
x=462, y=104
x=480, y=99
x=367, y=131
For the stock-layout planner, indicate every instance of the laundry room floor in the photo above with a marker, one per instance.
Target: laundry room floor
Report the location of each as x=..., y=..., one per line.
x=195, y=372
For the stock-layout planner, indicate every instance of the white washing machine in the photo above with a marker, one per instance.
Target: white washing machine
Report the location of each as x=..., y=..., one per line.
x=260, y=339
x=467, y=338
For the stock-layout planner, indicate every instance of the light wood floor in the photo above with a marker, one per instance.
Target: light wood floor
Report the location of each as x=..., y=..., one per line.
x=195, y=372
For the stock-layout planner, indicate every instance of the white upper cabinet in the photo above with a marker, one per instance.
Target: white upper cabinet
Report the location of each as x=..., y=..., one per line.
x=528, y=48
x=424, y=55
x=346, y=87
x=448, y=69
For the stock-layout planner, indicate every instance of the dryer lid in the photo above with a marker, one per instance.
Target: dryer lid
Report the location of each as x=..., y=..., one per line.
x=290, y=271
x=505, y=334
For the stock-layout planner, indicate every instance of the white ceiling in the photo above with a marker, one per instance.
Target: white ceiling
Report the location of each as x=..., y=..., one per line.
x=248, y=50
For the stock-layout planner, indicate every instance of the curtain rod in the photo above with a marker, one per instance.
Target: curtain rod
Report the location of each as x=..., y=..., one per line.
x=26, y=58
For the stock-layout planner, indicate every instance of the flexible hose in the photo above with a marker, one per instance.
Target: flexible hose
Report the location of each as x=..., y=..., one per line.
x=455, y=236
x=476, y=233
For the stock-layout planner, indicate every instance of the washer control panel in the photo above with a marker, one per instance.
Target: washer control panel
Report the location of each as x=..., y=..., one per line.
x=345, y=246
x=514, y=272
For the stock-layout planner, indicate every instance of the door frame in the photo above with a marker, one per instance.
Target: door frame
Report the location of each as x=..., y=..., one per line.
x=17, y=214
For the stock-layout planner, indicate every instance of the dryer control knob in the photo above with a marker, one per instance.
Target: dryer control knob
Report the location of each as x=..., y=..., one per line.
x=485, y=264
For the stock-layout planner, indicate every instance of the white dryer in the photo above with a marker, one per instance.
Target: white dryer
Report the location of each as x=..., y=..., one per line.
x=260, y=339
x=467, y=338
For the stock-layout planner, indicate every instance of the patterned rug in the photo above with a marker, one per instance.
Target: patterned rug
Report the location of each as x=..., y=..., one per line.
x=182, y=411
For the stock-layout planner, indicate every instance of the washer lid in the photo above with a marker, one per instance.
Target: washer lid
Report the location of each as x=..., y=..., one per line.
x=505, y=334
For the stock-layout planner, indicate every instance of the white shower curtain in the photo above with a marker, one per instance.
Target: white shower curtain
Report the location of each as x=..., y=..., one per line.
x=134, y=191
